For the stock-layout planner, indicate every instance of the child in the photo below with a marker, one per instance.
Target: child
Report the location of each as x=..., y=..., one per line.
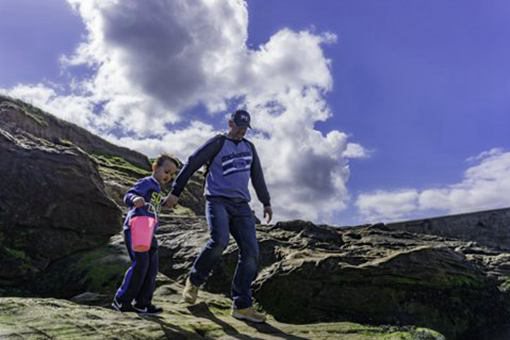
x=135, y=293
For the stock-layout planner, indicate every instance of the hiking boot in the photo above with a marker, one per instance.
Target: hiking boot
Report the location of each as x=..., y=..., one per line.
x=147, y=310
x=190, y=292
x=122, y=307
x=249, y=314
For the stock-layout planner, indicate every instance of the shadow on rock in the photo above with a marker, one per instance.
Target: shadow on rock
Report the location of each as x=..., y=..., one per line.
x=202, y=310
x=171, y=331
x=266, y=328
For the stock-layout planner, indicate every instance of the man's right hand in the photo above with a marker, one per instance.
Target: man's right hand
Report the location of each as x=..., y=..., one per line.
x=170, y=201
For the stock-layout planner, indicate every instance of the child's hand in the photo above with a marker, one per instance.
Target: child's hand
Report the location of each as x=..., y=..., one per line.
x=139, y=202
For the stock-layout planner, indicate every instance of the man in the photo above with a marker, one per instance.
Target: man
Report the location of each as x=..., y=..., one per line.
x=232, y=161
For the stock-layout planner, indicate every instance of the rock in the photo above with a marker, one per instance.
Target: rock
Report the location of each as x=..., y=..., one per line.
x=193, y=195
x=315, y=273
x=56, y=220
x=180, y=239
x=16, y=116
x=426, y=286
x=489, y=228
x=311, y=235
x=52, y=204
x=98, y=271
x=91, y=299
x=36, y=318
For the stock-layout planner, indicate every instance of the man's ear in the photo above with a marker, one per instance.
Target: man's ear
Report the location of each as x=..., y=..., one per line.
x=231, y=123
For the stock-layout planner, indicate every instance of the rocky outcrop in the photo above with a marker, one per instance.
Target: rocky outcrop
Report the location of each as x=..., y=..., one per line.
x=99, y=270
x=312, y=274
x=33, y=318
x=367, y=274
x=193, y=195
x=36, y=318
x=119, y=167
x=426, y=286
x=487, y=228
x=52, y=204
x=16, y=116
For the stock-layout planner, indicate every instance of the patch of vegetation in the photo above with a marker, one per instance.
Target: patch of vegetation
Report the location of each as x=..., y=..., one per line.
x=116, y=175
x=65, y=142
x=181, y=211
x=102, y=270
x=15, y=253
x=505, y=286
x=464, y=280
x=349, y=330
x=220, y=307
x=119, y=164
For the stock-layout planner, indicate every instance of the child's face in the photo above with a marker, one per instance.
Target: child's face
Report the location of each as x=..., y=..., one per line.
x=164, y=173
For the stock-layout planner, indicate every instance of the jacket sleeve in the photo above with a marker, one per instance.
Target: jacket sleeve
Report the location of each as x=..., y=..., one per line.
x=200, y=157
x=139, y=189
x=257, y=179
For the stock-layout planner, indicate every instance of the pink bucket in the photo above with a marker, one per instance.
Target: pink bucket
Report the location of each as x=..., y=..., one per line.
x=142, y=229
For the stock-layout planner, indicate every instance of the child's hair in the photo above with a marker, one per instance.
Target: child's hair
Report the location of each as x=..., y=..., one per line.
x=160, y=160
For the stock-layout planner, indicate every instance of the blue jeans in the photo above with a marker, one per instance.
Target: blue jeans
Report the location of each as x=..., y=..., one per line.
x=224, y=217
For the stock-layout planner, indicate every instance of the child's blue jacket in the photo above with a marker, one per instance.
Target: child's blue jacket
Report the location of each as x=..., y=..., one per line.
x=148, y=188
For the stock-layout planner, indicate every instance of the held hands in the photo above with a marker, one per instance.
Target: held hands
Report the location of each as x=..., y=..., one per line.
x=269, y=213
x=139, y=202
x=170, y=201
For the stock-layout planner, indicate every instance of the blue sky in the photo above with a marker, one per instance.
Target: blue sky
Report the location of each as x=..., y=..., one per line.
x=363, y=110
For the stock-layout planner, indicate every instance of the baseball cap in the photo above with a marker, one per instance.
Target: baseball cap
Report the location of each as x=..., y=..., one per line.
x=241, y=118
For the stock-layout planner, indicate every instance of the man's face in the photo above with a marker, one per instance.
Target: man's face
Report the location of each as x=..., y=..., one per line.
x=236, y=132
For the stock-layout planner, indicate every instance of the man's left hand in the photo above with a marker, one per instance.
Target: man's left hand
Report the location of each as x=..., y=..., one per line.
x=170, y=201
x=269, y=213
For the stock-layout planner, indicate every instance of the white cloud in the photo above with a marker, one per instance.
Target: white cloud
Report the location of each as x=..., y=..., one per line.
x=153, y=61
x=484, y=186
x=305, y=170
x=180, y=143
x=157, y=58
x=387, y=204
x=354, y=150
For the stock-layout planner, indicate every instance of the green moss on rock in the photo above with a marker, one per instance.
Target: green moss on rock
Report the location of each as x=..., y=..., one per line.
x=119, y=164
x=100, y=270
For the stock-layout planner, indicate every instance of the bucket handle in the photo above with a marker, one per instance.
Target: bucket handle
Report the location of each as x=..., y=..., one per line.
x=152, y=209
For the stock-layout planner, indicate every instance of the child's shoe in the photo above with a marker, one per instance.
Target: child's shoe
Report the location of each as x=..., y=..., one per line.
x=121, y=307
x=148, y=310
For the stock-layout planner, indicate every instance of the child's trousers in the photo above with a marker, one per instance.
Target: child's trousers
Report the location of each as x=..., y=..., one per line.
x=140, y=278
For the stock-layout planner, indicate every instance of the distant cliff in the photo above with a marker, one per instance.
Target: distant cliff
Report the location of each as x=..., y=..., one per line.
x=487, y=228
